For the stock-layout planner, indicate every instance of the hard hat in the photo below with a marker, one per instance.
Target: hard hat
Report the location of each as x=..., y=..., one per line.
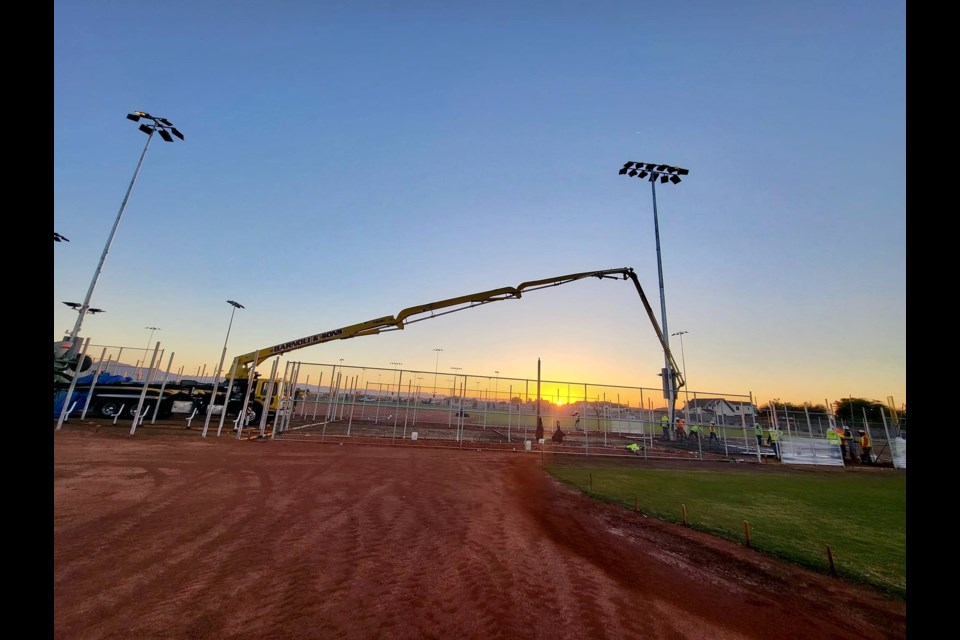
x=861, y=431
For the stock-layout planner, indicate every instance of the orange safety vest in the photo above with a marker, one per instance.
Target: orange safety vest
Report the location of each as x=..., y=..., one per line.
x=864, y=441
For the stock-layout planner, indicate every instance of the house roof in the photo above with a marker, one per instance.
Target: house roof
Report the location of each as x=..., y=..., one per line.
x=704, y=402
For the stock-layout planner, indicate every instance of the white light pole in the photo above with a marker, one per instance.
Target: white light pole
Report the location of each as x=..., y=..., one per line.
x=666, y=173
x=435, y=368
x=156, y=125
x=453, y=392
x=496, y=389
x=216, y=378
x=683, y=360
x=395, y=365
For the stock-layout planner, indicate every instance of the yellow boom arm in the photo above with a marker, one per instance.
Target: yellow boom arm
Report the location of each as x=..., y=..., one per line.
x=243, y=364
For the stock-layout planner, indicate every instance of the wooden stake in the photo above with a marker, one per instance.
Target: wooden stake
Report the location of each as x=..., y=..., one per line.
x=746, y=531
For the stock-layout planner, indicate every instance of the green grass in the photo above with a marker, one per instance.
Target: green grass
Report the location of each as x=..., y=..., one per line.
x=794, y=516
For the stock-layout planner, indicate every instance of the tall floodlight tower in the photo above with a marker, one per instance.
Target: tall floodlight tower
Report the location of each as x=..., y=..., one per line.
x=149, y=125
x=664, y=173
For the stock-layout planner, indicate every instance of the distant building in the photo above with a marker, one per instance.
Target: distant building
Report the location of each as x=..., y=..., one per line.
x=719, y=410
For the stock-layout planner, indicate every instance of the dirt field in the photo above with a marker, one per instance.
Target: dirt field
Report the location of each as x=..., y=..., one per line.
x=167, y=535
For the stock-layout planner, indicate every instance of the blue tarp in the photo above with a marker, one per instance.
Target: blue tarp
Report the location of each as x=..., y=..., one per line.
x=105, y=378
x=80, y=397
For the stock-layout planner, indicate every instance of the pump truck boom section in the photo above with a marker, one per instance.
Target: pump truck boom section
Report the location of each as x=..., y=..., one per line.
x=243, y=364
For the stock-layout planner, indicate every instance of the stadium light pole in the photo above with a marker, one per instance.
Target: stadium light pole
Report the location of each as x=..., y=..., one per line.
x=455, y=374
x=683, y=357
x=665, y=173
x=150, y=126
x=395, y=365
x=683, y=361
x=435, y=368
x=216, y=378
x=147, y=350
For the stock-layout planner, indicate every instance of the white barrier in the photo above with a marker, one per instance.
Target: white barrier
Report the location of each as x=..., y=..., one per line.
x=626, y=426
x=898, y=447
x=806, y=450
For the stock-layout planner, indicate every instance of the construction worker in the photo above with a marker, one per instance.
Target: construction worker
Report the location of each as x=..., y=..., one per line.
x=695, y=431
x=775, y=441
x=843, y=441
x=713, y=434
x=558, y=435
x=665, y=425
x=851, y=444
x=833, y=437
x=634, y=447
x=681, y=429
x=865, y=448
x=758, y=431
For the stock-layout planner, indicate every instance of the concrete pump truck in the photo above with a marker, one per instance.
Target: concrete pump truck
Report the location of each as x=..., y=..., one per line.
x=246, y=392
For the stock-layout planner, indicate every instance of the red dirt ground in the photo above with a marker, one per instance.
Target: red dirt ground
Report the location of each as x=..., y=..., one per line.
x=173, y=536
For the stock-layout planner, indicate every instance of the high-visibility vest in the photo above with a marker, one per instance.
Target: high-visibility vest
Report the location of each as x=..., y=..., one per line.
x=694, y=428
x=758, y=429
x=833, y=436
x=774, y=435
x=664, y=419
x=865, y=441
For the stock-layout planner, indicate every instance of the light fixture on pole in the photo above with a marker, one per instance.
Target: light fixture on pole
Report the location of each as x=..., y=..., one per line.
x=665, y=173
x=77, y=305
x=435, y=368
x=67, y=362
x=57, y=237
x=151, y=125
x=216, y=378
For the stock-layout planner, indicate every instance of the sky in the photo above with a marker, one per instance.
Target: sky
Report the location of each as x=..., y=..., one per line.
x=345, y=161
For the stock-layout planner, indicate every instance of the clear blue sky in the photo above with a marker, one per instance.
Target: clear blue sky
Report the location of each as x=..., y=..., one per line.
x=344, y=161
